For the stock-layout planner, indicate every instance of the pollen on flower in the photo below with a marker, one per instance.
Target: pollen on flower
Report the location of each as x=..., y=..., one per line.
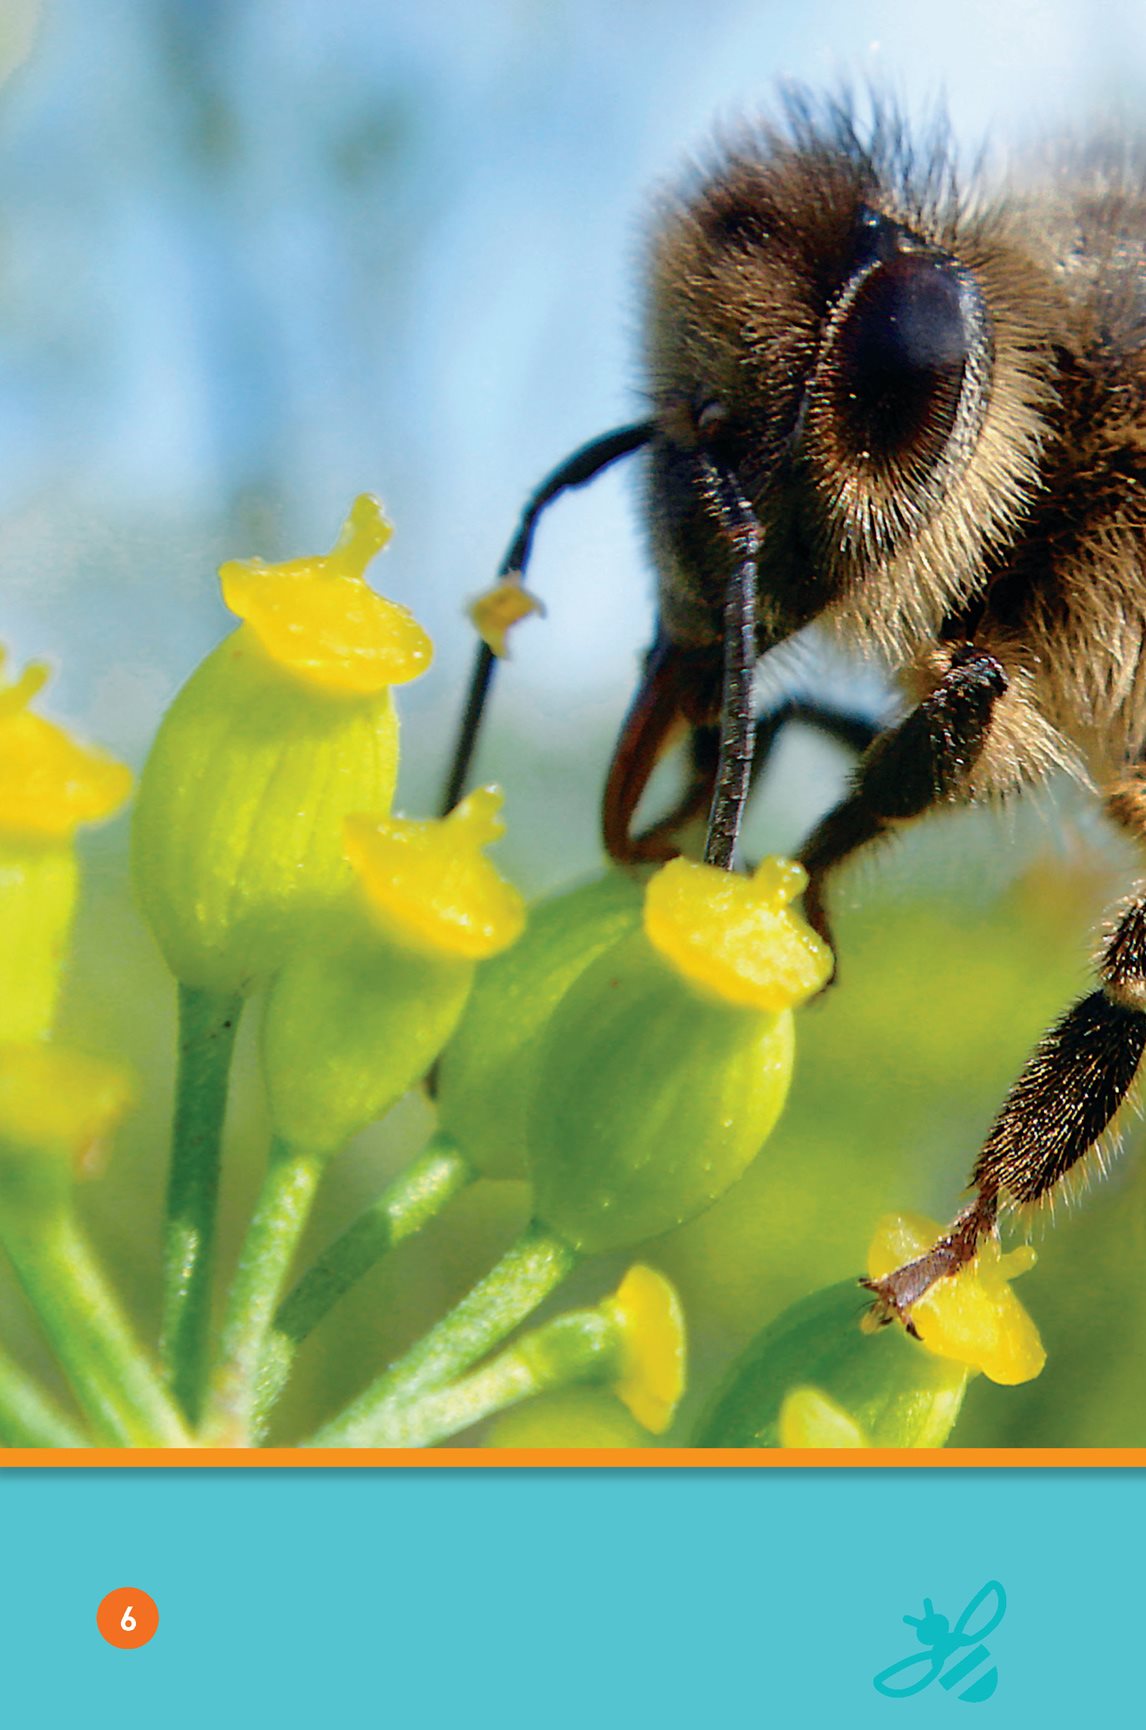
x=651, y=1323
x=50, y=784
x=810, y=1418
x=430, y=884
x=973, y=1317
x=57, y=1100
x=319, y=618
x=500, y=608
x=735, y=937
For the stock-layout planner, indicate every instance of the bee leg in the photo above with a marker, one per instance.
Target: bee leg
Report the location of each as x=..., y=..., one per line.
x=924, y=761
x=583, y=466
x=1067, y=1095
x=677, y=688
x=855, y=732
x=659, y=840
x=655, y=718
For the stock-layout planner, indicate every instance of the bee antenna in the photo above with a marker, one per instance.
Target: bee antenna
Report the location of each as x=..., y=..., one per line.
x=584, y=465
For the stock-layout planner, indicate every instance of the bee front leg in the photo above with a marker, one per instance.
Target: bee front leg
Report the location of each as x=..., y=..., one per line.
x=678, y=684
x=924, y=761
x=1067, y=1095
x=853, y=731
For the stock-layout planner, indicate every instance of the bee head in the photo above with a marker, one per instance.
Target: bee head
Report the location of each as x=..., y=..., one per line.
x=869, y=364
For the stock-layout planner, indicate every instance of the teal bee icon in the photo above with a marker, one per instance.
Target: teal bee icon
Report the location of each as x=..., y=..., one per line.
x=942, y=1664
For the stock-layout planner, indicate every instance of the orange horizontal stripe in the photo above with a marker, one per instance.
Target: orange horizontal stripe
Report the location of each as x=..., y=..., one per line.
x=655, y=1458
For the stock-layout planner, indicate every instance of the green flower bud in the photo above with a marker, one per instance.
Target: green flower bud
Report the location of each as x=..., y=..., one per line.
x=358, y=1014
x=665, y=1066
x=817, y=1377
x=488, y=1071
x=572, y=1418
x=284, y=730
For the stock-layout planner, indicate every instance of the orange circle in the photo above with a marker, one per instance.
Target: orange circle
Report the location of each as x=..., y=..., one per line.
x=127, y=1617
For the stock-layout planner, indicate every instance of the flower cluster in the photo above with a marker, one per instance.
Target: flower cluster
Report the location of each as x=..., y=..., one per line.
x=624, y=1049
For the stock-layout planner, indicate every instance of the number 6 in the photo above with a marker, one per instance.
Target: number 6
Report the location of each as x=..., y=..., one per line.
x=127, y=1620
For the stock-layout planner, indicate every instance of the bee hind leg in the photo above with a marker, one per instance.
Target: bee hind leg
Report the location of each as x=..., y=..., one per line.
x=1065, y=1098
x=896, y=1292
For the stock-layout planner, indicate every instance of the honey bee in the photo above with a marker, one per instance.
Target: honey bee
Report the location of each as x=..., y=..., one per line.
x=915, y=414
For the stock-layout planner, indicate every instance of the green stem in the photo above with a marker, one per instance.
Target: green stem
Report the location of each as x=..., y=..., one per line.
x=207, y=1025
x=280, y=1216
x=29, y=1418
x=522, y=1279
x=580, y=1347
x=415, y=1197
x=110, y=1375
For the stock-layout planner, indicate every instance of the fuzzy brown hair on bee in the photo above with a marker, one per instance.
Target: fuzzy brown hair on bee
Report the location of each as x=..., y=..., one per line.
x=916, y=415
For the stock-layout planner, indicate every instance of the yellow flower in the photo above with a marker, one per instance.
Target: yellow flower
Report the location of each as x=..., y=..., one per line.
x=319, y=618
x=973, y=1317
x=358, y=1013
x=283, y=731
x=650, y=1321
x=734, y=938
x=666, y=1062
x=429, y=884
x=49, y=784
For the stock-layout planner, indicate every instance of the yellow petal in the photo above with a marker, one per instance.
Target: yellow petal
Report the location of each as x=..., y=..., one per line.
x=735, y=937
x=320, y=619
x=973, y=1317
x=651, y=1381
x=49, y=784
x=429, y=882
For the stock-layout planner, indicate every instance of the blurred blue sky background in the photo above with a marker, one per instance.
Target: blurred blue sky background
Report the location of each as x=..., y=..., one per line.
x=258, y=256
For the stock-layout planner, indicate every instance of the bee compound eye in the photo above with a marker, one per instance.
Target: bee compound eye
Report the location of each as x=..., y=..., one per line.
x=901, y=354
x=909, y=317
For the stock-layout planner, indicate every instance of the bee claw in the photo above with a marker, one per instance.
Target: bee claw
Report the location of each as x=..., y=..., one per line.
x=887, y=1307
